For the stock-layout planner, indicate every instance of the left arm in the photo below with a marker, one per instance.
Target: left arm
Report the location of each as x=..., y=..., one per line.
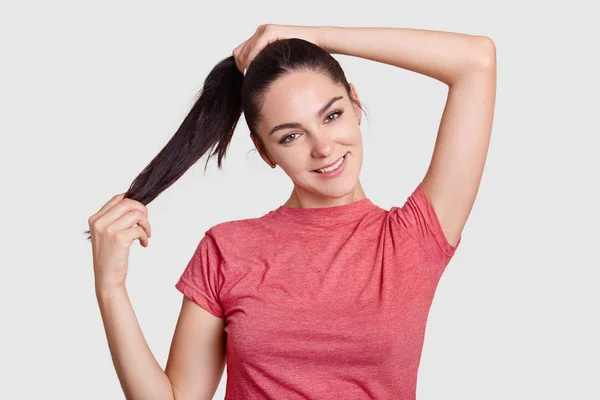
x=467, y=64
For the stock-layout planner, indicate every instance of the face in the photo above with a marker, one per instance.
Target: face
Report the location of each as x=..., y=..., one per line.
x=322, y=132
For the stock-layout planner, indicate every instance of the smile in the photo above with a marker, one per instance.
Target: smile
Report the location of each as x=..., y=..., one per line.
x=334, y=170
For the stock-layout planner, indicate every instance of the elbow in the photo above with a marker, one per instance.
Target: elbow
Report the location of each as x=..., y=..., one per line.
x=486, y=51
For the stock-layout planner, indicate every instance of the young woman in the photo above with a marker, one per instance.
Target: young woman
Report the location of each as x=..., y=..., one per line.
x=327, y=295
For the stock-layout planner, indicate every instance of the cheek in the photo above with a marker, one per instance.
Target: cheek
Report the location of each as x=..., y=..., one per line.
x=351, y=130
x=353, y=137
x=292, y=161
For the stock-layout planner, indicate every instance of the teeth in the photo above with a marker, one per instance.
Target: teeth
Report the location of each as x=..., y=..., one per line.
x=333, y=167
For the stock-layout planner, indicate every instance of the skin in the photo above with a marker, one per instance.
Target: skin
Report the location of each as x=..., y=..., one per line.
x=296, y=97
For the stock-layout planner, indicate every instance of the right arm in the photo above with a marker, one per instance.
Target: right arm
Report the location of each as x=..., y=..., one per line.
x=196, y=360
x=197, y=356
x=140, y=374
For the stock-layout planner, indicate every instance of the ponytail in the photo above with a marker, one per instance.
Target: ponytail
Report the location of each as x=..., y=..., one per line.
x=209, y=124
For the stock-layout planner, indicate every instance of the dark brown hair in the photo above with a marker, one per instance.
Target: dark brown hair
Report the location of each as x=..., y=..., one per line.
x=226, y=93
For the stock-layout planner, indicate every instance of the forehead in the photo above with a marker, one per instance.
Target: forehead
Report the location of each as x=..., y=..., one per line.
x=297, y=96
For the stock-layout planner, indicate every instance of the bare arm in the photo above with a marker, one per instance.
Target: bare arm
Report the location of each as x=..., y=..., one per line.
x=197, y=354
x=140, y=374
x=467, y=64
x=445, y=56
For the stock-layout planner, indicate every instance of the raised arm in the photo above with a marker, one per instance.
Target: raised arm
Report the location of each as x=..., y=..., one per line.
x=467, y=64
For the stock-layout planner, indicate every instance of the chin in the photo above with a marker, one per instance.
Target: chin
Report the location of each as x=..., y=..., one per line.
x=336, y=188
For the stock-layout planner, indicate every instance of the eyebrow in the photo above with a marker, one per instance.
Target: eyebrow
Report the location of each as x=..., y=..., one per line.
x=299, y=125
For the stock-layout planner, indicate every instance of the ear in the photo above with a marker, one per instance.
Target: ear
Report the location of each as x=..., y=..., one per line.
x=357, y=109
x=260, y=150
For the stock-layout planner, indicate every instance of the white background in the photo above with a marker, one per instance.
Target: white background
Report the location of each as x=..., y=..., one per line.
x=89, y=93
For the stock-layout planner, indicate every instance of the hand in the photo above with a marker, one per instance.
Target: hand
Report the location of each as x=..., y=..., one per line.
x=266, y=34
x=112, y=231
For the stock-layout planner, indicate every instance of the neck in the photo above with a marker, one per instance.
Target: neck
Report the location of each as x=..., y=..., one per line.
x=301, y=198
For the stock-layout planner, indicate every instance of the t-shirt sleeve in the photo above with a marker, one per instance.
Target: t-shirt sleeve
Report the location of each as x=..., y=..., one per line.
x=419, y=219
x=201, y=279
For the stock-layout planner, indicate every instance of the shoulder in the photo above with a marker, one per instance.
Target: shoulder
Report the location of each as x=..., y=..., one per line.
x=242, y=233
x=235, y=227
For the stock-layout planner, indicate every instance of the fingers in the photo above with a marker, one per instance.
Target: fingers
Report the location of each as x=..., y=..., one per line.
x=114, y=200
x=245, y=52
x=257, y=48
x=236, y=56
x=140, y=233
x=244, y=55
x=119, y=209
x=127, y=236
x=239, y=54
x=130, y=219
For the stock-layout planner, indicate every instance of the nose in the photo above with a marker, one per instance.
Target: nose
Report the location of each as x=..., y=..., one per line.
x=323, y=145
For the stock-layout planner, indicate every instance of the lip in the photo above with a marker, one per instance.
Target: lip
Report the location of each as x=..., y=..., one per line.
x=336, y=172
x=330, y=165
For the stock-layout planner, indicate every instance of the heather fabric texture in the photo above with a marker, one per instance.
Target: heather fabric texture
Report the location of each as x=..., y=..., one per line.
x=325, y=302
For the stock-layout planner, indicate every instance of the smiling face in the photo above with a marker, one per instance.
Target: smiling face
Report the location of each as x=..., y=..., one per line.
x=309, y=122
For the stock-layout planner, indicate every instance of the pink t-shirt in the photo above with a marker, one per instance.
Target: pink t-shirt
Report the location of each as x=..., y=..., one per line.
x=322, y=303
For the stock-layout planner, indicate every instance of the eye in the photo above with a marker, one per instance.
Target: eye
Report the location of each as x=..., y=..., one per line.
x=284, y=140
x=338, y=112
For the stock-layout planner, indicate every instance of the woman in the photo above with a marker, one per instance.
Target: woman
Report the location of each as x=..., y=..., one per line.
x=327, y=295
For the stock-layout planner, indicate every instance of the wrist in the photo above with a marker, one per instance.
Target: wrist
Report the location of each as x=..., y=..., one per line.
x=320, y=36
